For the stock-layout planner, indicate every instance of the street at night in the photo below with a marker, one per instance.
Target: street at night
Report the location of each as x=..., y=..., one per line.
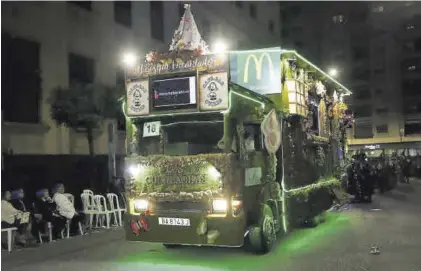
x=392, y=222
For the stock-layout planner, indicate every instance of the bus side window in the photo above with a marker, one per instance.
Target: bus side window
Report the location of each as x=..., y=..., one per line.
x=253, y=137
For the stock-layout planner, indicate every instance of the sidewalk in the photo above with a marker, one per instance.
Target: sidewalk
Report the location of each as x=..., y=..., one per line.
x=62, y=247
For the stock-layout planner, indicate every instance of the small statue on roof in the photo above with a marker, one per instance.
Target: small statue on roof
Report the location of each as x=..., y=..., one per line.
x=186, y=43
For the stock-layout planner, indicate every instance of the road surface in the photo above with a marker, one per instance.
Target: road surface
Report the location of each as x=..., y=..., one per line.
x=392, y=222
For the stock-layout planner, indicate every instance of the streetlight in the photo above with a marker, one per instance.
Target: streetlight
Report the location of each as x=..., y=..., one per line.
x=129, y=59
x=219, y=47
x=333, y=72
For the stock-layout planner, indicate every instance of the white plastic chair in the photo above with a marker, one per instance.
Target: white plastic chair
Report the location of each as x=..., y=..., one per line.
x=9, y=237
x=115, y=207
x=89, y=207
x=87, y=191
x=102, y=209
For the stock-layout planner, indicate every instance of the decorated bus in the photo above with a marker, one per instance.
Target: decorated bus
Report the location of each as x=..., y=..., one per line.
x=224, y=147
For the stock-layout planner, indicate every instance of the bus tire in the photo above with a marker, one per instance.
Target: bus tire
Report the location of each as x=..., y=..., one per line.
x=170, y=246
x=263, y=237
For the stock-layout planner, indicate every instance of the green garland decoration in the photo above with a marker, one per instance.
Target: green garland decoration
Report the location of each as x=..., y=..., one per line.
x=329, y=182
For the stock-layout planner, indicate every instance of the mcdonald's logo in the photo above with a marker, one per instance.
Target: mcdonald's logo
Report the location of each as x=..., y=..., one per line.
x=258, y=62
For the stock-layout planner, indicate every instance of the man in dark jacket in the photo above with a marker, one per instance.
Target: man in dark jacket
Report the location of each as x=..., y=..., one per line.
x=46, y=207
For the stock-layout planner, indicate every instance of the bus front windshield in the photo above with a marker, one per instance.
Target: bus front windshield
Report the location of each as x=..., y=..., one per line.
x=193, y=138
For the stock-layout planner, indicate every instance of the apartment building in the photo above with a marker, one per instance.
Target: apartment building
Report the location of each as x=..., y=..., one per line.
x=389, y=112
x=375, y=46
x=49, y=44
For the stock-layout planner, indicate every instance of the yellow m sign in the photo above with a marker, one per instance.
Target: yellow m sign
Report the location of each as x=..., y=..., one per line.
x=258, y=62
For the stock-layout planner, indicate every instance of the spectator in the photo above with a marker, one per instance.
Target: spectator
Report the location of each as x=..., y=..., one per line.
x=66, y=208
x=12, y=217
x=46, y=207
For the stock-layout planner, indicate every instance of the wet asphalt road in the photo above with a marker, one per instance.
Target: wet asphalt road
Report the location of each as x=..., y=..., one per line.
x=392, y=222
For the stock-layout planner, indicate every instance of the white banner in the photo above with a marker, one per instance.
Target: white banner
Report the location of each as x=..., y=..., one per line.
x=138, y=98
x=271, y=129
x=213, y=90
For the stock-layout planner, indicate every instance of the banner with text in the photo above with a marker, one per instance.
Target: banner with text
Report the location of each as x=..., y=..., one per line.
x=214, y=63
x=257, y=70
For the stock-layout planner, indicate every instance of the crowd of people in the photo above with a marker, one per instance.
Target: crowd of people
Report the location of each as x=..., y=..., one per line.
x=383, y=173
x=31, y=219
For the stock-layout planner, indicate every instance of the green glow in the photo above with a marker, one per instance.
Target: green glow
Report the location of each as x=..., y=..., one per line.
x=291, y=246
x=317, y=68
x=243, y=96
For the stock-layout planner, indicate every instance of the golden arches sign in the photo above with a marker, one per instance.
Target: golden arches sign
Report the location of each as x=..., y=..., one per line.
x=258, y=62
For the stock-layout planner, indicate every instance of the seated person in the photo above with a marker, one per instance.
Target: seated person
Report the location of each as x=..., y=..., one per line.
x=66, y=208
x=12, y=217
x=18, y=201
x=47, y=209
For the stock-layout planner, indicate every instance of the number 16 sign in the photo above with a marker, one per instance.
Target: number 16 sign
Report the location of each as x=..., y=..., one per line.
x=151, y=128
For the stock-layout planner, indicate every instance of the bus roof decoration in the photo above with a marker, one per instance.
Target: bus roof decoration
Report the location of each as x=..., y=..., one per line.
x=187, y=36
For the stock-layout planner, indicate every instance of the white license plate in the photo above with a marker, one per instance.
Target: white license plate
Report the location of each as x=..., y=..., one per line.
x=171, y=221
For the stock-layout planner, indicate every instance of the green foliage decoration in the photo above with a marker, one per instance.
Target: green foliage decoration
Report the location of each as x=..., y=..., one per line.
x=182, y=177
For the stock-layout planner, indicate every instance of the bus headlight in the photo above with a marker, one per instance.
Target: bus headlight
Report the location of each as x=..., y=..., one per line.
x=220, y=205
x=140, y=205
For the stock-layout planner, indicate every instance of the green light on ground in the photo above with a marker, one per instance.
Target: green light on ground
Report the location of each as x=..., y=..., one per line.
x=297, y=242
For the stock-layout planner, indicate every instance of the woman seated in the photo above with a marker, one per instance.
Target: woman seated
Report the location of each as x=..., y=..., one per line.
x=12, y=217
x=66, y=208
x=46, y=211
x=18, y=201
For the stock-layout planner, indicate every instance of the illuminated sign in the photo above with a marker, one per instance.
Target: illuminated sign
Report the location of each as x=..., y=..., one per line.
x=210, y=63
x=257, y=70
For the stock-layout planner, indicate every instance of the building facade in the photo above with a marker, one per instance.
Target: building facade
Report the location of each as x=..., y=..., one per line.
x=49, y=44
x=391, y=108
x=375, y=48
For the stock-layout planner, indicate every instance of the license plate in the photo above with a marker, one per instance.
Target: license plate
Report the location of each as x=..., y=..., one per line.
x=171, y=221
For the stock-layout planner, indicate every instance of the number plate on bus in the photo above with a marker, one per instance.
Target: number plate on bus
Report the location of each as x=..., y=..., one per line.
x=171, y=221
x=151, y=128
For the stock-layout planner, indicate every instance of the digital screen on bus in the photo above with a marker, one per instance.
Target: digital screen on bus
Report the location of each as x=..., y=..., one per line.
x=174, y=92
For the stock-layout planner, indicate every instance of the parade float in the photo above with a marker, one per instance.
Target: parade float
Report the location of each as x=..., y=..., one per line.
x=223, y=147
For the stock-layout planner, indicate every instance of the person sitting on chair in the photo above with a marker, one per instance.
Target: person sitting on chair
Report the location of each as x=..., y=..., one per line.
x=12, y=217
x=66, y=208
x=47, y=209
x=18, y=201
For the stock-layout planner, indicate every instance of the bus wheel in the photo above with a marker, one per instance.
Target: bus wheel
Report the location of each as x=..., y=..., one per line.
x=263, y=237
x=169, y=246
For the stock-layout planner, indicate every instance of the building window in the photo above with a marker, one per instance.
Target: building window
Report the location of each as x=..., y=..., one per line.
x=123, y=12
x=411, y=87
x=81, y=69
x=361, y=74
x=412, y=128
x=362, y=94
x=378, y=9
x=157, y=20
x=21, y=79
x=271, y=26
x=382, y=110
x=181, y=10
x=382, y=129
x=120, y=79
x=363, y=111
x=82, y=4
x=412, y=107
x=239, y=4
x=338, y=19
x=378, y=91
x=360, y=53
x=298, y=44
x=253, y=11
x=409, y=27
x=363, y=130
x=294, y=11
x=411, y=65
x=285, y=33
